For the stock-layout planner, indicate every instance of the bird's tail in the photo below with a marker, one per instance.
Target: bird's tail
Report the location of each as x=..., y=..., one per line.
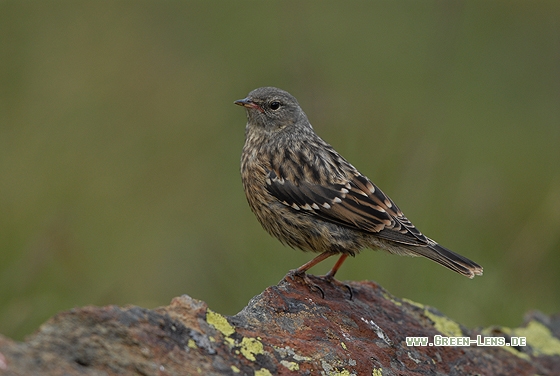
x=449, y=259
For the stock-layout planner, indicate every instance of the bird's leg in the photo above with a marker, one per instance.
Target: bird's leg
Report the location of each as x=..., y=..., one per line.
x=330, y=275
x=300, y=272
x=308, y=265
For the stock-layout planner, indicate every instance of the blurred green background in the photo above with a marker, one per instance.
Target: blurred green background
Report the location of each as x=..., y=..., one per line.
x=120, y=146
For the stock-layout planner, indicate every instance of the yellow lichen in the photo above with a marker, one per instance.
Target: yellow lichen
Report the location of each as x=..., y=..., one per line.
x=412, y=302
x=191, y=344
x=292, y=366
x=219, y=322
x=377, y=372
x=344, y=372
x=250, y=347
x=513, y=351
x=488, y=333
x=444, y=325
x=235, y=369
x=263, y=372
x=538, y=337
x=390, y=297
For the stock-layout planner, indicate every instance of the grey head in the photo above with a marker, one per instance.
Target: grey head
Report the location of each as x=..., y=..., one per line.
x=272, y=109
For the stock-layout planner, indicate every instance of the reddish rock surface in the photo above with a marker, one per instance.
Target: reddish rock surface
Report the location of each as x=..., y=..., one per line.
x=289, y=329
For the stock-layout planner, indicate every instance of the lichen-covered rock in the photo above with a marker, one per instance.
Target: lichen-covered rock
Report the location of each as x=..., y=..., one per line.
x=290, y=329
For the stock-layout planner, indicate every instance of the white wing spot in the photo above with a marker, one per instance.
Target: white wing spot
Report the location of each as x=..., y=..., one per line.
x=337, y=200
x=326, y=206
x=268, y=181
x=278, y=179
x=315, y=206
x=295, y=206
x=388, y=203
x=370, y=187
x=307, y=207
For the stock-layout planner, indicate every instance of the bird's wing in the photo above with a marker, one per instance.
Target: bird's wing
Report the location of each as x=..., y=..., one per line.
x=357, y=204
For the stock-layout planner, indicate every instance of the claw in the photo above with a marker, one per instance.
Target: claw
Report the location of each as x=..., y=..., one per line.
x=349, y=290
x=306, y=280
x=313, y=286
x=329, y=278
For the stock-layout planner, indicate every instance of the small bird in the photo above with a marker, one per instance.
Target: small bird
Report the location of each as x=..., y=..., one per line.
x=309, y=197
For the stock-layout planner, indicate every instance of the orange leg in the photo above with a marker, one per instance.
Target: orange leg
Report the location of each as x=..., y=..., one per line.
x=332, y=272
x=308, y=265
x=328, y=277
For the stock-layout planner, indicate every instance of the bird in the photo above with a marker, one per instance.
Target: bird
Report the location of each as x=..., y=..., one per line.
x=304, y=193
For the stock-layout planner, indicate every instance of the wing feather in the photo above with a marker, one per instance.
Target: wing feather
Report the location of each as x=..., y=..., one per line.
x=356, y=204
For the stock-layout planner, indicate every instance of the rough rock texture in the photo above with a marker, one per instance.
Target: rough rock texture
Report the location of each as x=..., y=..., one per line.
x=289, y=329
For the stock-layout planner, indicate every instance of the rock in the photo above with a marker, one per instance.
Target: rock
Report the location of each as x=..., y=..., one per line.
x=289, y=329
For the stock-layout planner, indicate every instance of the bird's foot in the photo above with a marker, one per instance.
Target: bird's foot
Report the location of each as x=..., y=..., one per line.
x=295, y=273
x=329, y=278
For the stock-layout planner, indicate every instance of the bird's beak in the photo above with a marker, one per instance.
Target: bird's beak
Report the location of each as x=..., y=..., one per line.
x=247, y=103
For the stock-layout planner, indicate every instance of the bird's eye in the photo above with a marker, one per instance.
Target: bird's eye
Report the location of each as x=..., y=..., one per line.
x=274, y=105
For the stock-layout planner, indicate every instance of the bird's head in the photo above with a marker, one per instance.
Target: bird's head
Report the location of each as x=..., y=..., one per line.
x=270, y=109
